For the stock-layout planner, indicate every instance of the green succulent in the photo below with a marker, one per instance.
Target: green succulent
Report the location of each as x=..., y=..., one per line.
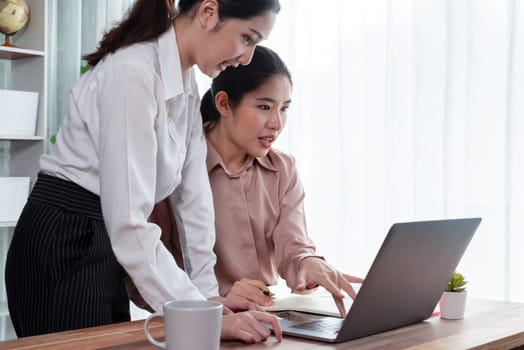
x=456, y=283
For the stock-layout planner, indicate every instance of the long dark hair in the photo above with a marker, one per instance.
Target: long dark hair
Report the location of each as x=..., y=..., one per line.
x=148, y=19
x=237, y=82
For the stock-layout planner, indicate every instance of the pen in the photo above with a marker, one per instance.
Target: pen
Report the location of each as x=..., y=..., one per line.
x=266, y=292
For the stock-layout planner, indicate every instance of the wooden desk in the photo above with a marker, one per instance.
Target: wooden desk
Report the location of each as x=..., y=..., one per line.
x=487, y=325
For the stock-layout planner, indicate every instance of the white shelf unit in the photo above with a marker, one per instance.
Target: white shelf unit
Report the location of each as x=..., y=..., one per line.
x=26, y=71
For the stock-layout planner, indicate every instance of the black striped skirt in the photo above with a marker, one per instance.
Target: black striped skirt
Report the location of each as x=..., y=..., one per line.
x=61, y=272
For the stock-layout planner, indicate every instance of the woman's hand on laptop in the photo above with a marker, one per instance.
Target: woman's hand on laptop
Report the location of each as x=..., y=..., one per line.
x=316, y=271
x=247, y=326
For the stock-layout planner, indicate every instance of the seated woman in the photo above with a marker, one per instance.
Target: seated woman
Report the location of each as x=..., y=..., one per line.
x=258, y=197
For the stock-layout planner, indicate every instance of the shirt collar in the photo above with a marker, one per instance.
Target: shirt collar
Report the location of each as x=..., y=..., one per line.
x=266, y=161
x=213, y=160
x=171, y=67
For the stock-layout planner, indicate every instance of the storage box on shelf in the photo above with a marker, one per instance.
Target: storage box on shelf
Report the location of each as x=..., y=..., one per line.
x=14, y=195
x=19, y=110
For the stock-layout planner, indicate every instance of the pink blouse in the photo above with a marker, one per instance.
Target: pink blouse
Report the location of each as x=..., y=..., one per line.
x=259, y=220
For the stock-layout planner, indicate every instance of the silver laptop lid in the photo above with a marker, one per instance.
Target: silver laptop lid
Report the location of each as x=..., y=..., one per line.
x=408, y=275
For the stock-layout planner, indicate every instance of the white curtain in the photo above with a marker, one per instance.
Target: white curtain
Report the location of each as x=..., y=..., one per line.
x=409, y=110
x=402, y=110
x=74, y=28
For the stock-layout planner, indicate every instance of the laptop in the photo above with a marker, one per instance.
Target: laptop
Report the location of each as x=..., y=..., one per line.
x=403, y=284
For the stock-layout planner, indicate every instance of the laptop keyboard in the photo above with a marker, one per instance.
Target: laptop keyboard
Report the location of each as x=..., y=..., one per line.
x=325, y=325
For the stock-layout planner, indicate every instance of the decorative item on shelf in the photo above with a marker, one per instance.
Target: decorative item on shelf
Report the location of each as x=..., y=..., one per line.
x=14, y=15
x=453, y=300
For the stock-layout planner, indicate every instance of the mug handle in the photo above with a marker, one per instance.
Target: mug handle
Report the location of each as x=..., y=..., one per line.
x=152, y=340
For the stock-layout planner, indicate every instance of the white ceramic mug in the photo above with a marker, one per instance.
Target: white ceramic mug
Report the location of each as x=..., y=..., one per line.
x=189, y=324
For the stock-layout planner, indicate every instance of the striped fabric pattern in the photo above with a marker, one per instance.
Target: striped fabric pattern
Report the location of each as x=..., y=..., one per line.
x=61, y=272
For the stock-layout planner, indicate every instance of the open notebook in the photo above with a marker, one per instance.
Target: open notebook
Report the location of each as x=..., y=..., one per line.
x=318, y=302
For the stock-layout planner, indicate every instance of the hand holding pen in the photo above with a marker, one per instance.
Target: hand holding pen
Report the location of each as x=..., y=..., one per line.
x=267, y=292
x=251, y=290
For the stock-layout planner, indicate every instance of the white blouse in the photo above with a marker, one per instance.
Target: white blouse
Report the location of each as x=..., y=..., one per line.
x=133, y=135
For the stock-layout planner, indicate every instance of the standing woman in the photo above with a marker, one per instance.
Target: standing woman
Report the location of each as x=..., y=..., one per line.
x=131, y=138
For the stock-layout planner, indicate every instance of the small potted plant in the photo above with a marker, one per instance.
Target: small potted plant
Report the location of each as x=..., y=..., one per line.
x=453, y=300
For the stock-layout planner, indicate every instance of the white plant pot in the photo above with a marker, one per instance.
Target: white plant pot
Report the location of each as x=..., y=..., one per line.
x=453, y=305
